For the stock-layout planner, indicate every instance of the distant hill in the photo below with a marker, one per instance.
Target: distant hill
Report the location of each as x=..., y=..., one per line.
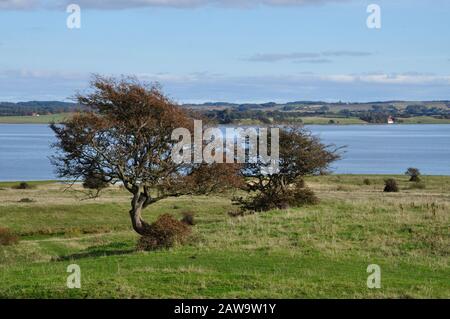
x=333, y=106
x=324, y=112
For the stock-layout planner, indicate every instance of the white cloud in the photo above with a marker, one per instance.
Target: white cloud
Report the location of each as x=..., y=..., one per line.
x=305, y=57
x=275, y=57
x=19, y=85
x=393, y=78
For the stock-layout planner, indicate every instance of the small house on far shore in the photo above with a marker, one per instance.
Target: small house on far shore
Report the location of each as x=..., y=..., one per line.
x=390, y=120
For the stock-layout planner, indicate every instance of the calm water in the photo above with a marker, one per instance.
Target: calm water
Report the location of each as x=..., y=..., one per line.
x=371, y=149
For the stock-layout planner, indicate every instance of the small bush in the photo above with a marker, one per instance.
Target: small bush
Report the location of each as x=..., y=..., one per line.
x=26, y=200
x=390, y=186
x=367, y=182
x=165, y=232
x=23, y=185
x=297, y=196
x=7, y=237
x=188, y=218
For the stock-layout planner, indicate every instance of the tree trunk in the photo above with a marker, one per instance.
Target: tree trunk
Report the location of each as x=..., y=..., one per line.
x=137, y=205
x=140, y=226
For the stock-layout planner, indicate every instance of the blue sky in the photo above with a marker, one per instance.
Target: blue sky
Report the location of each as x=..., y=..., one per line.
x=236, y=51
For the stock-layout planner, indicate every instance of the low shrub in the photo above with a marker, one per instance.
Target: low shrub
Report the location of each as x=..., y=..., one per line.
x=296, y=196
x=165, y=232
x=367, y=182
x=23, y=185
x=7, y=237
x=391, y=186
x=26, y=200
x=188, y=218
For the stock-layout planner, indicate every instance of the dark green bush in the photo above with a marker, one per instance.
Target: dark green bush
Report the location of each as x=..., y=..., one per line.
x=26, y=200
x=23, y=185
x=391, y=186
x=367, y=181
x=188, y=218
x=296, y=196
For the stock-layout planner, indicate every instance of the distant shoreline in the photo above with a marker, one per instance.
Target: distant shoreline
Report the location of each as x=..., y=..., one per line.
x=313, y=120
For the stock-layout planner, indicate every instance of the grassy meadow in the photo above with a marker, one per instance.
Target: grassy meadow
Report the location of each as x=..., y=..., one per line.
x=42, y=119
x=317, y=251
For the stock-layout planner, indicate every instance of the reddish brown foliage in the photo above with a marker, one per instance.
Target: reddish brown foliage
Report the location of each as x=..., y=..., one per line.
x=125, y=136
x=7, y=237
x=164, y=233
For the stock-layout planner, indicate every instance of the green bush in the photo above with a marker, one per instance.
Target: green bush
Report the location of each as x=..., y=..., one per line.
x=296, y=196
x=23, y=185
x=391, y=186
x=367, y=181
x=26, y=200
x=188, y=218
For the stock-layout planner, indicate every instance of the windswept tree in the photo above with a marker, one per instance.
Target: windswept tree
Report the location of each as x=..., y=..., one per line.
x=125, y=135
x=300, y=154
x=414, y=174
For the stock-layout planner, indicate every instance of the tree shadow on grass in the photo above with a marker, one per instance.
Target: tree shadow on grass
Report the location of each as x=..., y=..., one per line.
x=113, y=249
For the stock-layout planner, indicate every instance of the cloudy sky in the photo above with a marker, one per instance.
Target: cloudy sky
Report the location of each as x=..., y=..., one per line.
x=229, y=50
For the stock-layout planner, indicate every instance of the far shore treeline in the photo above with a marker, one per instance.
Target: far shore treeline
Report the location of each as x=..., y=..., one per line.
x=315, y=112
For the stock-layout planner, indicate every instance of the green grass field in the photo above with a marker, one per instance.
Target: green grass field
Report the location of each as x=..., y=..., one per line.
x=309, y=252
x=312, y=120
x=318, y=120
x=42, y=119
x=424, y=120
x=331, y=120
